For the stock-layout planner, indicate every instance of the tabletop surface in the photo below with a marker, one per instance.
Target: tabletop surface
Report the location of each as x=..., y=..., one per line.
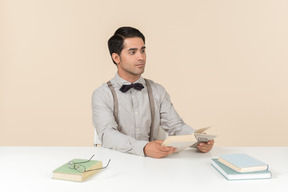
x=30, y=169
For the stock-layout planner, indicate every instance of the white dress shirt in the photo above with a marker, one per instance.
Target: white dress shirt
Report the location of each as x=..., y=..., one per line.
x=133, y=131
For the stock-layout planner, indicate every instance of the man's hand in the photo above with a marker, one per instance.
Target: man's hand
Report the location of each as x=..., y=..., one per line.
x=156, y=150
x=206, y=147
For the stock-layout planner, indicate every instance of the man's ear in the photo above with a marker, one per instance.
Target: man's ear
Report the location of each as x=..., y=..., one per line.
x=116, y=58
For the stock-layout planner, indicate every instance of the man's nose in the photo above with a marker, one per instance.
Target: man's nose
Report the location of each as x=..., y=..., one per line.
x=140, y=56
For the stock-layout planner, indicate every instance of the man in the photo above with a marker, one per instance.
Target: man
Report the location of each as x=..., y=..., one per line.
x=134, y=129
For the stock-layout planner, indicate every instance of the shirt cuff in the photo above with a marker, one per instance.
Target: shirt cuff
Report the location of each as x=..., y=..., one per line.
x=139, y=147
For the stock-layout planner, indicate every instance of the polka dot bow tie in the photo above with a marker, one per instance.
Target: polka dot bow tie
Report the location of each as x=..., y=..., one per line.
x=126, y=88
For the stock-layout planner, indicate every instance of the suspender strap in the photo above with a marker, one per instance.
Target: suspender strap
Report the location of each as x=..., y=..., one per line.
x=151, y=101
x=152, y=108
x=115, y=110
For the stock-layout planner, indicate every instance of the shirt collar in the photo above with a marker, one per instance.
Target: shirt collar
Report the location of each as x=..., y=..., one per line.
x=119, y=81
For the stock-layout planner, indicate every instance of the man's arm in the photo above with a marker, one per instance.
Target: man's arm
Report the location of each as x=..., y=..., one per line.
x=106, y=127
x=170, y=121
x=173, y=123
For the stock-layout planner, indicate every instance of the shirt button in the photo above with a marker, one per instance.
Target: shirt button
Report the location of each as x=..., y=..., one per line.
x=136, y=113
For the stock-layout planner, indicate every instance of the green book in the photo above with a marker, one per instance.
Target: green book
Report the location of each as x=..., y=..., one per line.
x=231, y=174
x=64, y=172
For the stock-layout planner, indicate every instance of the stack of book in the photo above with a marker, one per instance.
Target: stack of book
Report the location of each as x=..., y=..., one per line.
x=241, y=166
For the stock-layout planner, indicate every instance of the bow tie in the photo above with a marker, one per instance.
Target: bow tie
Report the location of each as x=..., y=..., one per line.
x=126, y=88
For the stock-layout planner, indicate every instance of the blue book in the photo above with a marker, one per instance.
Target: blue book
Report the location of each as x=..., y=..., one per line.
x=241, y=162
x=230, y=174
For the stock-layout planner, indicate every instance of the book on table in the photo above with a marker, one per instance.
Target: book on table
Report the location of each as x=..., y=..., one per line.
x=181, y=142
x=65, y=172
x=242, y=162
x=231, y=174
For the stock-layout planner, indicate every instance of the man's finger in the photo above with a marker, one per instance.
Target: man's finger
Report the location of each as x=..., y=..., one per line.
x=158, y=141
x=165, y=149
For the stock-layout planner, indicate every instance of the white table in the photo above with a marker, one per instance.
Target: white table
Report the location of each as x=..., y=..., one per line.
x=30, y=169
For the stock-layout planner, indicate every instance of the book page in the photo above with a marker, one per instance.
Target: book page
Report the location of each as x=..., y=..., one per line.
x=201, y=130
x=202, y=138
x=180, y=145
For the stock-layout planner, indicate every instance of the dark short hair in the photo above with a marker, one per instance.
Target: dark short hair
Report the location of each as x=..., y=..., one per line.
x=115, y=43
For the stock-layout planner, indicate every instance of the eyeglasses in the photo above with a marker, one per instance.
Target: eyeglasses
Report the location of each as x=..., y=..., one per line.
x=82, y=168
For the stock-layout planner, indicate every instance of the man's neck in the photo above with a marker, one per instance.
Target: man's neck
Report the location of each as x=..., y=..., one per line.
x=129, y=78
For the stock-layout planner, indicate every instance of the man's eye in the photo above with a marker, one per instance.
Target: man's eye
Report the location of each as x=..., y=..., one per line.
x=143, y=51
x=131, y=52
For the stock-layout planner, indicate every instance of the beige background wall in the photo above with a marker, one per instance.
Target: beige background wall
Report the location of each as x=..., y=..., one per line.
x=224, y=64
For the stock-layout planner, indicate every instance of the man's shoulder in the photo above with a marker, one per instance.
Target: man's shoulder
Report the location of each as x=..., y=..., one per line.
x=155, y=85
x=101, y=91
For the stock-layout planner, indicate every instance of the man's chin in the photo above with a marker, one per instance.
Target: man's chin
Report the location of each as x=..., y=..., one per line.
x=142, y=72
x=139, y=72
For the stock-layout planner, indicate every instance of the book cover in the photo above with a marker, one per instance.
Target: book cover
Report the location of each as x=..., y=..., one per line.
x=231, y=174
x=242, y=162
x=66, y=173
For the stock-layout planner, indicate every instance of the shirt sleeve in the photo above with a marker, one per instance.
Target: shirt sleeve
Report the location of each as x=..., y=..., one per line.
x=106, y=126
x=170, y=121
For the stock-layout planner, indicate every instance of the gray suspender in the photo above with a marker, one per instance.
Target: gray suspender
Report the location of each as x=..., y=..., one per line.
x=151, y=100
x=152, y=108
x=115, y=109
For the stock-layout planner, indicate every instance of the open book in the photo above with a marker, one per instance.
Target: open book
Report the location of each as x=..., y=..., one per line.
x=181, y=142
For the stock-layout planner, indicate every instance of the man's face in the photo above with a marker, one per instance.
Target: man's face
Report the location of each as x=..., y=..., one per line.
x=132, y=59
